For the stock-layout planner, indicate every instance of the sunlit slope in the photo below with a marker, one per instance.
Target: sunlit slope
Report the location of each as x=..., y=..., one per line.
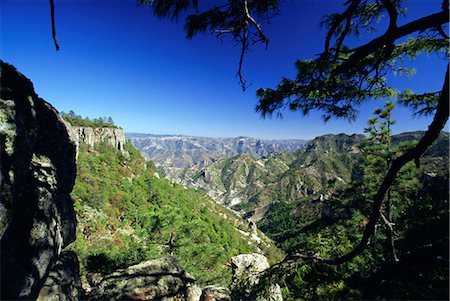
x=127, y=214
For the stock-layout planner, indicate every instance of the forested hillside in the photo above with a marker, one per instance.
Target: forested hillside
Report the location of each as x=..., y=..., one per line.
x=408, y=257
x=127, y=214
x=316, y=201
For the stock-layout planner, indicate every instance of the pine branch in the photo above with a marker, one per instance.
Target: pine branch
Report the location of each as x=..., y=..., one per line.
x=413, y=154
x=390, y=37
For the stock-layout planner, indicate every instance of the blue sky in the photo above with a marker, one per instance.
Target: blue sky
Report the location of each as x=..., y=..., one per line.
x=118, y=60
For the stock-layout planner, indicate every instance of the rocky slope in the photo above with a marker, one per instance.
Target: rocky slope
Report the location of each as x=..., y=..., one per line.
x=250, y=185
x=127, y=214
x=184, y=151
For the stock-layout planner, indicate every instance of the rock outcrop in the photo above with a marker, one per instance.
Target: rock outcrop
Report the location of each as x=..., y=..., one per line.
x=247, y=272
x=37, y=174
x=215, y=293
x=149, y=280
x=92, y=136
x=165, y=279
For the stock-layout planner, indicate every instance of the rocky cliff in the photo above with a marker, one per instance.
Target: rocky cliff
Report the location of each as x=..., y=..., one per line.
x=37, y=174
x=92, y=136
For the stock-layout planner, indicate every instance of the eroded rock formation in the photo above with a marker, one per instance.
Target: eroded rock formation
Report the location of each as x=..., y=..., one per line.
x=37, y=174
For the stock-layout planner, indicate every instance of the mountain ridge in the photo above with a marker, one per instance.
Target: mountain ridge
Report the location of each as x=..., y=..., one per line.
x=182, y=151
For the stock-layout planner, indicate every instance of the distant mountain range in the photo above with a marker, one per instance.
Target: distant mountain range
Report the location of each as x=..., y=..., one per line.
x=249, y=185
x=177, y=151
x=248, y=178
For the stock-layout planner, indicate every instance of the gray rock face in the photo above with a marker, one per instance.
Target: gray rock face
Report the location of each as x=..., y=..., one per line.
x=247, y=272
x=93, y=136
x=37, y=174
x=63, y=281
x=149, y=280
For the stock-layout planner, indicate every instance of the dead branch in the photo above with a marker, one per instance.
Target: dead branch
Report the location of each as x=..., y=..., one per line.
x=52, y=17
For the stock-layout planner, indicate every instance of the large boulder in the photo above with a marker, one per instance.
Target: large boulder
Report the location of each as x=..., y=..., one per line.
x=37, y=174
x=158, y=279
x=248, y=284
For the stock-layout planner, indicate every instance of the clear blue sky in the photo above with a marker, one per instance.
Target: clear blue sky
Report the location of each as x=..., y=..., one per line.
x=117, y=60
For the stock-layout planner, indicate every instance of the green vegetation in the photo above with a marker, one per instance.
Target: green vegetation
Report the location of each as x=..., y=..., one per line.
x=408, y=255
x=127, y=214
x=77, y=120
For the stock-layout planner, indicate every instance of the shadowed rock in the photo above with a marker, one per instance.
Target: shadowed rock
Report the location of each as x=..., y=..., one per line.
x=215, y=293
x=63, y=281
x=37, y=174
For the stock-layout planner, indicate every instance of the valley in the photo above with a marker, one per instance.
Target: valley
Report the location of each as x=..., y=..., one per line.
x=315, y=198
x=144, y=151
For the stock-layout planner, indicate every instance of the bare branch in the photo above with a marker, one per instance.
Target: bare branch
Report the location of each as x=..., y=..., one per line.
x=219, y=32
x=52, y=16
x=387, y=223
x=393, y=14
x=442, y=32
x=257, y=25
x=241, y=60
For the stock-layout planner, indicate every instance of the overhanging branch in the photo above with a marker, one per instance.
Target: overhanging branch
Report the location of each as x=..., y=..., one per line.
x=391, y=36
